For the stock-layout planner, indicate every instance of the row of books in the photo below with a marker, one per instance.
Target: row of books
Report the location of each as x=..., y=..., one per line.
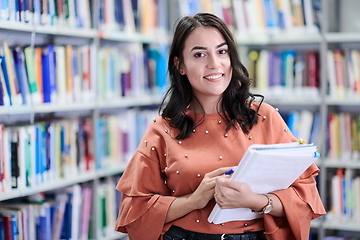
x=60, y=13
x=256, y=18
x=284, y=74
x=49, y=74
x=119, y=135
x=50, y=152
x=135, y=73
x=345, y=197
x=344, y=73
x=62, y=74
x=64, y=214
x=108, y=200
x=45, y=152
x=343, y=141
x=144, y=16
x=250, y=17
x=304, y=125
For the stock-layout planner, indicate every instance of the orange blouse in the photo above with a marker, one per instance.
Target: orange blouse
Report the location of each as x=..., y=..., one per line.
x=164, y=168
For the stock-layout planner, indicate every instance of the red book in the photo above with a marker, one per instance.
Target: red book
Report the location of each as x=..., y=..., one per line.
x=7, y=227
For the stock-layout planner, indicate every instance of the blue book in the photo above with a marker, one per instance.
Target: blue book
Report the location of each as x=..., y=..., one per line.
x=161, y=68
x=43, y=223
x=47, y=147
x=21, y=82
x=1, y=100
x=2, y=234
x=48, y=73
x=136, y=12
x=14, y=227
x=100, y=149
x=46, y=76
x=5, y=73
x=37, y=154
x=66, y=228
x=52, y=71
x=119, y=14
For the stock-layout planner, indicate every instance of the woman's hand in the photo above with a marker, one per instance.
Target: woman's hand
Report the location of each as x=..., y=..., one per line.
x=231, y=194
x=198, y=199
x=205, y=191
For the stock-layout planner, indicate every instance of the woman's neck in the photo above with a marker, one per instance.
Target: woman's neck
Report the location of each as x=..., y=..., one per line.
x=208, y=107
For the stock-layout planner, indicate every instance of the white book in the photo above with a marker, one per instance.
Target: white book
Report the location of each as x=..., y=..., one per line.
x=332, y=74
x=22, y=136
x=262, y=71
x=306, y=122
x=60, y=74
x=217, y=8
x=129, y=16
x=285, y=7
x=71, y=19
x=266, y=168
x=110, y=207
x=240, y=18
x=309, y=19
x=76, y=206
x=356, y=187
x=110, y=23
x=84, y=9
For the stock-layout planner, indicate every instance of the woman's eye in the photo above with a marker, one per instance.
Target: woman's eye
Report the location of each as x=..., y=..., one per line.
x=223, y=51
x=197, y=55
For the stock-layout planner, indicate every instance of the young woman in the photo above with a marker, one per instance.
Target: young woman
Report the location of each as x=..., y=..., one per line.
x=207, y=123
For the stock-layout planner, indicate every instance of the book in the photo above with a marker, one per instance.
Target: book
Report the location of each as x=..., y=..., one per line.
x=279, y=165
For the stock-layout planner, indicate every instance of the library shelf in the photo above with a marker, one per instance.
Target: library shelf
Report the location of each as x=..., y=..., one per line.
x=339, y=163
x=62, y=183
x=335, y=37
x=345, y=226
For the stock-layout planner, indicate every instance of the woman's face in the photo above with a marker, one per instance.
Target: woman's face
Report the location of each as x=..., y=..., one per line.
x=207, y=62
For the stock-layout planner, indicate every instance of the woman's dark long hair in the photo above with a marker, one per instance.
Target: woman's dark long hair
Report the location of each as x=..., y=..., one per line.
x=236, y=99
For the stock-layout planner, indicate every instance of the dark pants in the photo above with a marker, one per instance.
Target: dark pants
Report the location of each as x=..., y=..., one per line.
x=177, y=233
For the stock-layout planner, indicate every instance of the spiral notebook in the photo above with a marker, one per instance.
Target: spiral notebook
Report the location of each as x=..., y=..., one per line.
x=266, y=168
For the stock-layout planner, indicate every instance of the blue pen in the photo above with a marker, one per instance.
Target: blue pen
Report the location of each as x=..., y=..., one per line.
x=230, y=171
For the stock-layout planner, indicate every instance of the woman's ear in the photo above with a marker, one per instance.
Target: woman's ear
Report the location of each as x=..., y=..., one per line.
x=177, y=64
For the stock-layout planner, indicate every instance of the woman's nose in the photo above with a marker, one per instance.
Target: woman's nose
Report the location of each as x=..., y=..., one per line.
x=214, y=61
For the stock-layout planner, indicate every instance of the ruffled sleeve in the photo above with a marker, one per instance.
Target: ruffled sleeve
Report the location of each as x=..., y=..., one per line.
x=301, y=203
x=145, y=196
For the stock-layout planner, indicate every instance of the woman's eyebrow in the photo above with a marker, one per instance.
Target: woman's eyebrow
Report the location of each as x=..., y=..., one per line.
x=204, y=48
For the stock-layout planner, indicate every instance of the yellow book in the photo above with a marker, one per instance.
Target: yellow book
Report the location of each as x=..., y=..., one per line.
x=253, y=57
x=207, y=6
x=69, y=73
x=38, y=72
x=148, y=16
x=298, y=17
x=15, y=94
x=31, y=73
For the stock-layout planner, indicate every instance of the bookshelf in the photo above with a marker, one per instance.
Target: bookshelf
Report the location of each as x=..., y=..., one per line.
x=89, y=128
x=340, y=30
x=106, y=40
